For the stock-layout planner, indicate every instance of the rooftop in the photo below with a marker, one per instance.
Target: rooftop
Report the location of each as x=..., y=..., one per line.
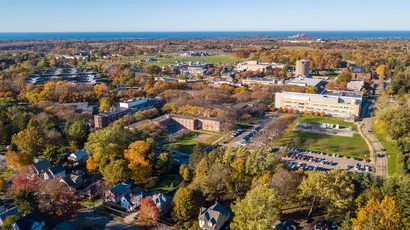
x=326, y=97
x=304, y=81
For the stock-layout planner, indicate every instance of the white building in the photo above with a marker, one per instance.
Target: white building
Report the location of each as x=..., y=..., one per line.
x=355, y=85
x=339, y=104
x=304, y=81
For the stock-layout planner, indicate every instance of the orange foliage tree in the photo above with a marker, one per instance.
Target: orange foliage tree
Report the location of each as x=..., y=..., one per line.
x=149, y=212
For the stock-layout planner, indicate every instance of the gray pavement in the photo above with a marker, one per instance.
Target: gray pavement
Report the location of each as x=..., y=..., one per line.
x=376, y=148
x=342, y=161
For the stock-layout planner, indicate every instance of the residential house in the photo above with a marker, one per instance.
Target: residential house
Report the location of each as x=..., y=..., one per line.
x=214, y=217
x=132, y=200
x=73, y=181
x=32, y=221
x=41, y=166
x=115, y=193
x=79, y=157
x=54, y=172
x=9, y=212
x=163, y=202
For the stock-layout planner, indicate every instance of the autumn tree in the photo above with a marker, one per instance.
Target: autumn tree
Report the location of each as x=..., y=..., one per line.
x=311, y=89
x=9, y=221
x=139, y=159
x=110, y=141
x=186, y=204
x=55, y=197
x=285, y=183
x=378, y=215
x=24, y=180
x=105, y=104
x=259, y=209
x=30, y=141
x=332, y=190
x=149, y=213
x=185, y=172
x=115, y=171
x=18, y=160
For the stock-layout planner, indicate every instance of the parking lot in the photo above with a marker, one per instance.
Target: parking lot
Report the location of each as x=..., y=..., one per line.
x=247, y=137
x=319, y=161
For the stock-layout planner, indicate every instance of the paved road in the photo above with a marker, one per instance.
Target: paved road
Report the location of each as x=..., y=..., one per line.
x=376, y=148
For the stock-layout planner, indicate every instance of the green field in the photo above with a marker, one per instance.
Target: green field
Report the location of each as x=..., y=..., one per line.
x=331, y=120
x=174, y=59
x=168, y=183
x=348, y=146
x=186, y=143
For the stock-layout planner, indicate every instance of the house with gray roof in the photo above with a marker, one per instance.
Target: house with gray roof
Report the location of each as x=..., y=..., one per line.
x=115, y=193
x=214, y=218
x=132, y=200
x=78, y=157
x=163, y=202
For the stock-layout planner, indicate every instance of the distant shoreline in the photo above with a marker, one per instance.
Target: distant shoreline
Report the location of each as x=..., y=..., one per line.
x=199, y=34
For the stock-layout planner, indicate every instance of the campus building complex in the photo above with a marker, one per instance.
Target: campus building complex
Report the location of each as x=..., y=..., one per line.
x=102, y=120
x=339, y=104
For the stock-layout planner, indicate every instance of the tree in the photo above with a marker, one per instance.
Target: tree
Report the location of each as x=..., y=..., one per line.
x=110, y=141
x=9, y=221
x=258, y=210
x=285, y=183
x=139, y=162
x=55, y=197
x=186, y=204
x=196, y=155
x=25, y=201
x=18, y=160
x=116, y=171
x=30, y=141
x=381, y=70
x=77, y=130
x=311, y=89
x=185, y=172
x=332, y=190
x=105, y=104
x=378, y=215
x=24, y=180
x=164, y=163
x=398, y=188
x=149, y=213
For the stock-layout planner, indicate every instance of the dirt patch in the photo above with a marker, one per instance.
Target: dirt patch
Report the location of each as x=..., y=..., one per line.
x=202, y=137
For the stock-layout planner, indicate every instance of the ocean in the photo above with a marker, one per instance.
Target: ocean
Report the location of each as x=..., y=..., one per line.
x=203, y=34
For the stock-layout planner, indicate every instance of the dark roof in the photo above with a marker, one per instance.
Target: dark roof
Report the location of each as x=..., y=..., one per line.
x=56, y=169
x=357, y=69
x=9, y=212
x=42, y=165
x=26, y=222
x=119, y=189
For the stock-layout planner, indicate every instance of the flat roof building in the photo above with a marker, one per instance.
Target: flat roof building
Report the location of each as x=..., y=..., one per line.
x=339, y=104
x=304, y=81
x=256, y=66
x=262, y=81
x=355, y=85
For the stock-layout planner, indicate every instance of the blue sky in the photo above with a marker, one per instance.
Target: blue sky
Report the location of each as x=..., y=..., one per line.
x=207, y=15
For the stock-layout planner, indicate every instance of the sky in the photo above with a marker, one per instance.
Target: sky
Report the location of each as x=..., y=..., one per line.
x=202, y=15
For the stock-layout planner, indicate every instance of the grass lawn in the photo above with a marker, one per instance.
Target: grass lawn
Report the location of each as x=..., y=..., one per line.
x=331, y=120
x=348, y=146
x=390, y=150
x=189, y=140
x=168, y=184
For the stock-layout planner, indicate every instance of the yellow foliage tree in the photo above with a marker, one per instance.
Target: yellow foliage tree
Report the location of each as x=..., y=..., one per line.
x=137, y=155
x=378, y=215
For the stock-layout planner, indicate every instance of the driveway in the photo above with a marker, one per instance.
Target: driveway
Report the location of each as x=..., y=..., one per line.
x=376, y=148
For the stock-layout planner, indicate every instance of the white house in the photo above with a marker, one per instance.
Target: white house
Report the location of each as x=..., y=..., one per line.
x=132, y=200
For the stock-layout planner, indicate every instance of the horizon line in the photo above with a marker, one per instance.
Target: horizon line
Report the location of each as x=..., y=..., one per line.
x=202, y=31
